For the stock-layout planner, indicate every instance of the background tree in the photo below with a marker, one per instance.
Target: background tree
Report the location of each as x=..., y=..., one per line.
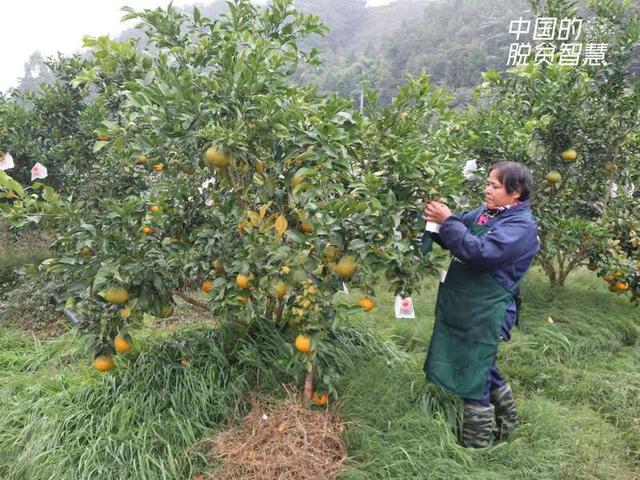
x=577, y=128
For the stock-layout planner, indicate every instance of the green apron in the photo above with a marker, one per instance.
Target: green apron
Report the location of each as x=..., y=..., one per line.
x=470, y=308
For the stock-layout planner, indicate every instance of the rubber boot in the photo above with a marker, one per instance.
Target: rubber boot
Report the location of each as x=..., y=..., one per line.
x=506, y=415
x=477, y=426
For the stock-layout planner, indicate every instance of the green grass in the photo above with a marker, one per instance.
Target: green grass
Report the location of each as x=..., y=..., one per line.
x=577, y=383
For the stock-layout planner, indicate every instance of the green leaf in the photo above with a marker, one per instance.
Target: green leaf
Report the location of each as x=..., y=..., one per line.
x=50, y=195
x=99, y=145
x=102, y=275
x=10, y=184
x=356, y=244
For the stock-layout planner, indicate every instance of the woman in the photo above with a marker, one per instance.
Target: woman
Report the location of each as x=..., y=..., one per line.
x=493, y=246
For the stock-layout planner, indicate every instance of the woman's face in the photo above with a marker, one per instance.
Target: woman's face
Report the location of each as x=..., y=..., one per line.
x=495, y=194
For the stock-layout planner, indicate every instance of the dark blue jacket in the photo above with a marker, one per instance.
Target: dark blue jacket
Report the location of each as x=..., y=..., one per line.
x=507, y=249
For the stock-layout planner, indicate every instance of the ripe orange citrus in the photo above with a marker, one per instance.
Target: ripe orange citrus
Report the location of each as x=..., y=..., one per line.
x=122, y=344
x=569, y=155
x=158, y=167
x=147, y=230
x=346, y=267
x=367, y=304
x=621, y=286
x=103, y=363
x=303, y=343
x=242, y=281
x=154, y=208
x=306, y=228
x=320, y=400
x=207, y=286
x=142, y=160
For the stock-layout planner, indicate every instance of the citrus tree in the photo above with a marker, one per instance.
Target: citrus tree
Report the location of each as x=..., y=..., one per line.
x=213, y=171
x=577, y=129
x=52, y=126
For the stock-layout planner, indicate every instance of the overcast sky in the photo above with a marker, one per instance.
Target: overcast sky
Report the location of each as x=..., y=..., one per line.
x=51, y=26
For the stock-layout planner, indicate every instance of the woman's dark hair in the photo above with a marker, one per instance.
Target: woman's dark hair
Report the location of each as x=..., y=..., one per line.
x=514, y=176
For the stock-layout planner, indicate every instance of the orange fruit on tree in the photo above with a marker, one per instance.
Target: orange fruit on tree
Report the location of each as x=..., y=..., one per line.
x=147, y=230
x=607, y=278
x=142, y=160
x=346, y=267
x=618, y=273
x=216, y=158
x=303, y=343
x=242, y=281
x=158, y=167
x=366, y=303
x=554, y=177
x=320, y=400
x=103, y=137
x=280, y=289
x=207, y=286
x=154, y=208
x=306, y=228
x=621, y=286
x=122, y=344
x=103, y=363
x=569, y=155
x=117, y=295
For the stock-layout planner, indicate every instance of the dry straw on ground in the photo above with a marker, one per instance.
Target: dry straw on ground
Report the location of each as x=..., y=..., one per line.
x=287, y=441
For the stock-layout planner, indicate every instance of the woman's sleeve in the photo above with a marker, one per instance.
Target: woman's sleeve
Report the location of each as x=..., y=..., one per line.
x=465, y=217
x=504, y=243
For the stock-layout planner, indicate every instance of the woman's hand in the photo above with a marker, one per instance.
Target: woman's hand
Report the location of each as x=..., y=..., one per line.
x=436, y=212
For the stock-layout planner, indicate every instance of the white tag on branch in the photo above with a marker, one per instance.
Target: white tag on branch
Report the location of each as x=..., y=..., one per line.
x=443, y=275
x=6, y=161
x=404, y=307
x=470, y=168
x=629, y=189
x=613, y=190
x=38, y=171
x=345, y=290
x=432, y=227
